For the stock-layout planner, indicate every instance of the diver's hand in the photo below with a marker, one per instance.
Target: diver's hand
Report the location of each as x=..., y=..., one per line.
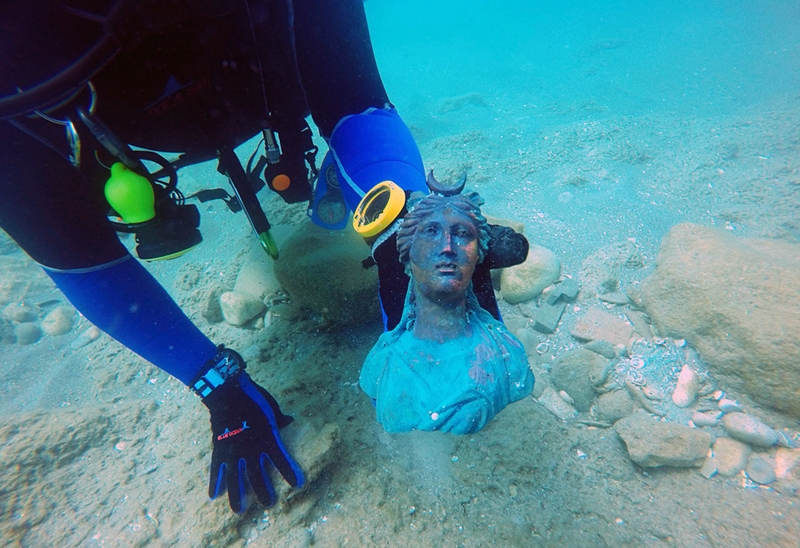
x=245, y=420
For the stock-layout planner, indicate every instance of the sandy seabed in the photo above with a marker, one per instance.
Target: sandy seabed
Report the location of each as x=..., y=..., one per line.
x=99, y=448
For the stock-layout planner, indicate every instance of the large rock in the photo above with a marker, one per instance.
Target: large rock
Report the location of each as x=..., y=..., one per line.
x=321, y=270
x=654, y=443
x=527, y=280
x=737, y=301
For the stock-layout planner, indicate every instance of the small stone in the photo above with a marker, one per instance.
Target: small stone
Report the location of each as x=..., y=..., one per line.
x=526, y=281
x=597, y=324
x=548, y=316
x=614, y=297
x=639, y=324
x=614, y=405
x=709, y=469
x=727, y=405
x=240, y=308
x=566, y=291
x=286, y=311
x=760, y=469
x=7, y=335
x=688, y=385
x=573, y=372
x=706, y=419
x=209, y=299
x=551, y=401
x=512, y=491
x=787, y=463
x=730, y=456
x=27, y=333
x=59, y=321
x=653, y=443
x=604, y=348
x=86, y=338
x=749, y=429
x=21, y=312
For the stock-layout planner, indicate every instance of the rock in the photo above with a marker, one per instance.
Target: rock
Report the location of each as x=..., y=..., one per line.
x=614, y=297
x=27, y=333
x=709, y=469
x=730, y=406
x=7, y=335
x=551, y=401
x=548, y=316
x=734, y=300
x=654, y=443
x=787, y=463
x=688, y=385
x=525, y=281
x=749, y=429
x=599, y=325
x=209, y=299
x=286, y=311
x=706, y=419
x=240, y=308
x=257, y=275
x=760, y=469
x=730, y=456
x=321, y=270
x=86, y=338
x=614, y=406
x=604, y=348
x=21, y=312
x=575, y=372
x=640, y=325
x=566, y=291
x=59, y=321
x=601, y=270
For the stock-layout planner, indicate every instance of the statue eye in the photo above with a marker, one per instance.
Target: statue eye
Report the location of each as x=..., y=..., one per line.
x=430, y=230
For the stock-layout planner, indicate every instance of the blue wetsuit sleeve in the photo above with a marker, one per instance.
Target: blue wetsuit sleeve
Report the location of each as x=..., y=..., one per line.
x=125, y=301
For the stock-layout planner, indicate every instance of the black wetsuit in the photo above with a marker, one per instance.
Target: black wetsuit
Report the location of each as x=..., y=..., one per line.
x=191, y=86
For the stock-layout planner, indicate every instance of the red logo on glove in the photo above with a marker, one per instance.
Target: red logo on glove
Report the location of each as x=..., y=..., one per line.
x=228, y=433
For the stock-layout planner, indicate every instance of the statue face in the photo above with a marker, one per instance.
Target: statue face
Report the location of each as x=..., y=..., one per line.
x=443, y=255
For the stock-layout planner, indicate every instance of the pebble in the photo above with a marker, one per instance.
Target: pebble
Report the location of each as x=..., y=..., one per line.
x=59, y=321
x=730, y=456
x=27, y=333
x=688, y=385
x=727, y=405
x=786, y=462
x=709, y=469
x=86, y=338
x=706, y=419
x=239, y=308
x=21, y=312
x=652, y=393
x=614, y=405
x=760, y=469
x=749, y=429
x=551, y=401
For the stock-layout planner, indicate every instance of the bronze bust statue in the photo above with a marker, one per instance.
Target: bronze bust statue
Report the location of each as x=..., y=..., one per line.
x=448, y=365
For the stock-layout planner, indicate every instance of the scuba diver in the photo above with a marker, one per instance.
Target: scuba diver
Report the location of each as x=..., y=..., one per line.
x=86, y=85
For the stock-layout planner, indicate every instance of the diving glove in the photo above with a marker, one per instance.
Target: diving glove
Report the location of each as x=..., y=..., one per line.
x=245, y=420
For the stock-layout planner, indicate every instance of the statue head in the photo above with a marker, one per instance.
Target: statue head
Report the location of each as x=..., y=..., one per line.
x=440, y=241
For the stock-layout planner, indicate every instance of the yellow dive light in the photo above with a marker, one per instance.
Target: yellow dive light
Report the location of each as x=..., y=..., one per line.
x=378, y=209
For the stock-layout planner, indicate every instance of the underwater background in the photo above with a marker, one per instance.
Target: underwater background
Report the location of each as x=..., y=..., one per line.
x=649, y=150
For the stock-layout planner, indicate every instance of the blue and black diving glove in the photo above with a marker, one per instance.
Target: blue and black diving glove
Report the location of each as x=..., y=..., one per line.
x=245, y=420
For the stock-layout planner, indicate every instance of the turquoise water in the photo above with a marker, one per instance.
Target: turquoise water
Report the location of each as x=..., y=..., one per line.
x=598, y=126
